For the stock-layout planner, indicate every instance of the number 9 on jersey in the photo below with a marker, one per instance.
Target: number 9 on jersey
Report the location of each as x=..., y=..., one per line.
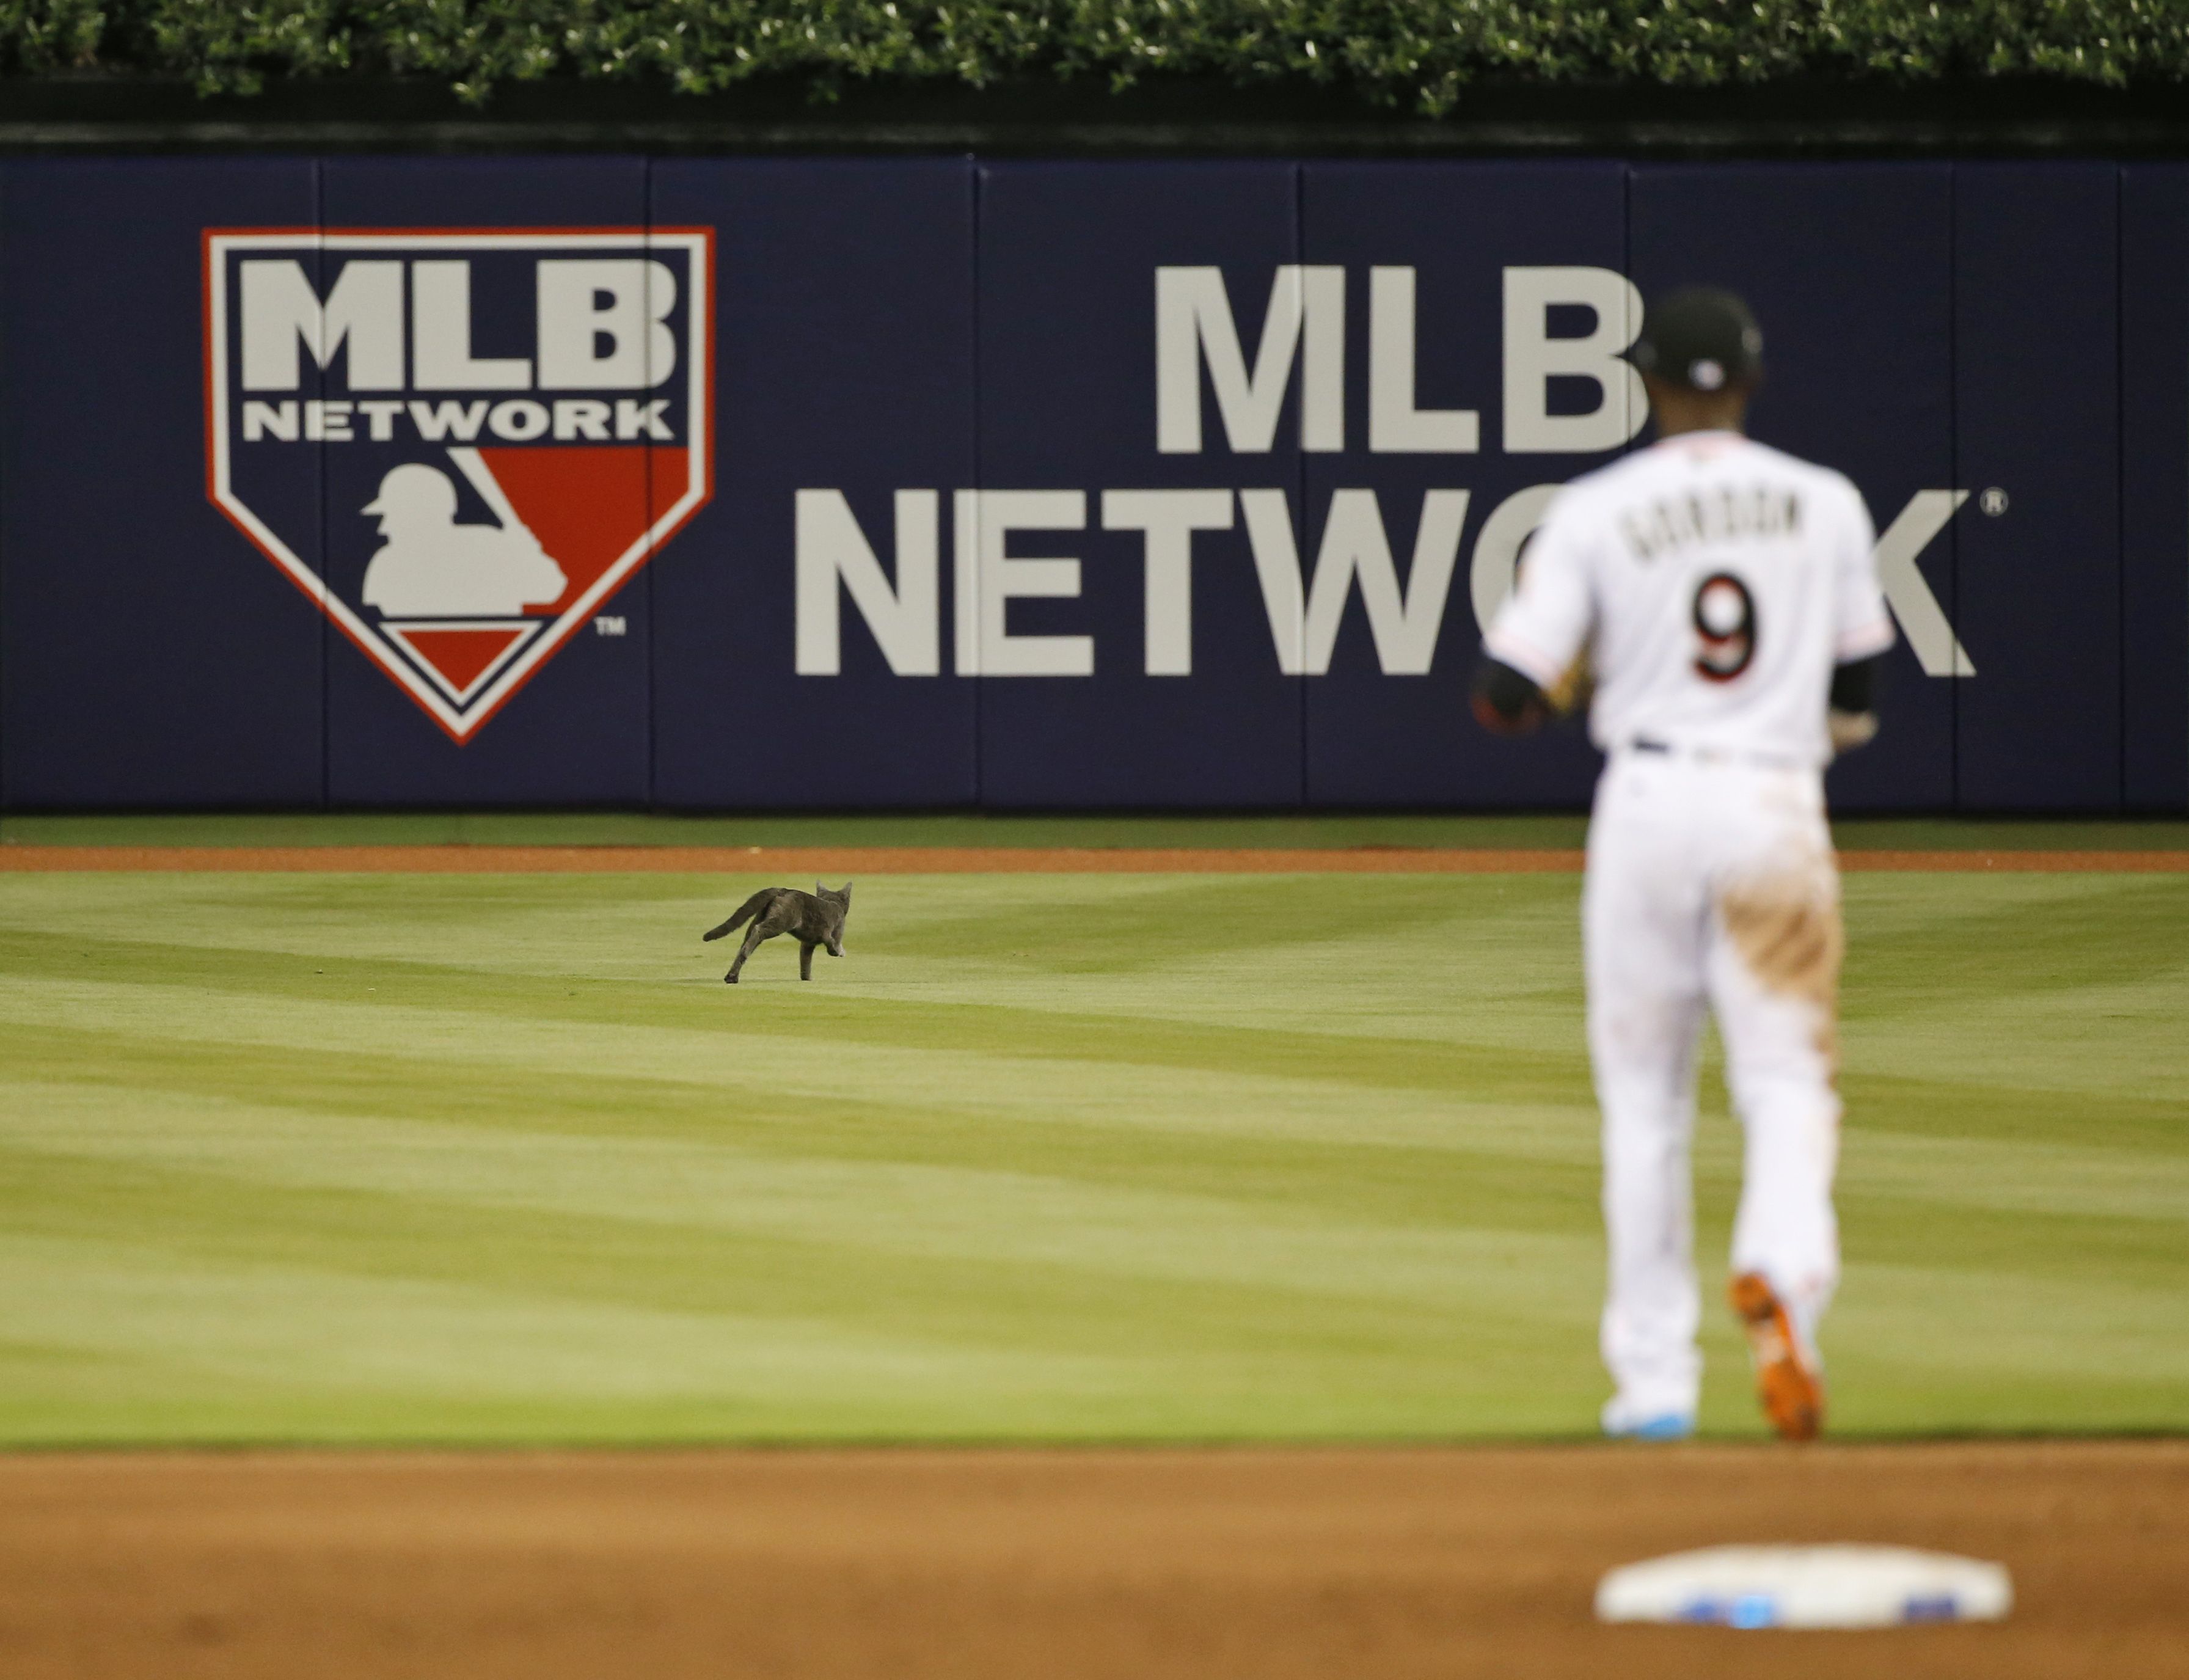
x=1725, y=624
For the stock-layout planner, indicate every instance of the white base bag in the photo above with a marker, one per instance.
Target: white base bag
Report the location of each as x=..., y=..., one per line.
x=1806, y=1586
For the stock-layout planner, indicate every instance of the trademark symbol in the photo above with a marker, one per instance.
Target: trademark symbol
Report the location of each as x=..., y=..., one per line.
x=605, y=625
x=1993, y=501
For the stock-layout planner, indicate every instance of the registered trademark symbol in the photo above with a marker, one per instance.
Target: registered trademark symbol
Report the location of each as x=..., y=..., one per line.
x=1993, y=501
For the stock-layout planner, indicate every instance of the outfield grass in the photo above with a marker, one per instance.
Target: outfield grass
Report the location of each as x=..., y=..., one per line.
x=349, y=1157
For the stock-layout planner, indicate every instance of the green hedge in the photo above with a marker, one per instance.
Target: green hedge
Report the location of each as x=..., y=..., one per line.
x=1421, y=54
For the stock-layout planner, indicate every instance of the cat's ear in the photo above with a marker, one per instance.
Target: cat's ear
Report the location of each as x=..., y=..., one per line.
x=847, y=892
x=819, y=890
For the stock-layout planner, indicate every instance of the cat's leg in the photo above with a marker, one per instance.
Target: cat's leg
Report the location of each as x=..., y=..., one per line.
x=753, y=937
x=805, y=959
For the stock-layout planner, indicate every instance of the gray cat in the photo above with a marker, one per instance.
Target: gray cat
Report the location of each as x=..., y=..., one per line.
x=815, y=918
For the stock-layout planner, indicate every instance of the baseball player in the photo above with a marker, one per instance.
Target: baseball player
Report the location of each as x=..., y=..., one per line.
x=430, y=565
x=1727, y=596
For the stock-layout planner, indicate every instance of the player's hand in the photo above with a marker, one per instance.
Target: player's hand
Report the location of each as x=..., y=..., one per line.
x=1850, y=729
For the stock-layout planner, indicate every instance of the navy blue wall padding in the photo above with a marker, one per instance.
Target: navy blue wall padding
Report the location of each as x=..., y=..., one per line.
x=1374, y=738
x=972, y=330
x=845, y=362
x=1849, y=268
x=578, y=733
x=2155, y=485
x=1068, y=256
x=2037, y=417
x=149, y=656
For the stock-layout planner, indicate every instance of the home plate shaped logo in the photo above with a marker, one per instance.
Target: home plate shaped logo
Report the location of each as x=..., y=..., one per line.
x=460, y=442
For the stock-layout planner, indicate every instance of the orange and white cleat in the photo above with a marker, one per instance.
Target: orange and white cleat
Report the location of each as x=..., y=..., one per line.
x=1786, y=1381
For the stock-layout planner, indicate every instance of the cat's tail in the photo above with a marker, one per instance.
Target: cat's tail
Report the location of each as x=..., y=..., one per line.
x=746, y=912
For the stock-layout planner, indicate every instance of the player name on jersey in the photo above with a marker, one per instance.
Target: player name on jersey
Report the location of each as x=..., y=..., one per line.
x=1727, y=513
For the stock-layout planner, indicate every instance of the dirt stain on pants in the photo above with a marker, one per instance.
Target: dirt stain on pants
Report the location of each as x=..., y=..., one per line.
x=1788, y=931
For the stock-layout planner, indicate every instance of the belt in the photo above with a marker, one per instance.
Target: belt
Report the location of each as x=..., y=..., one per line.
x=1648, y=744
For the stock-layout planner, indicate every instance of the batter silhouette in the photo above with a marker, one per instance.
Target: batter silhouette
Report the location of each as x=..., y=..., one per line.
x=430, y=566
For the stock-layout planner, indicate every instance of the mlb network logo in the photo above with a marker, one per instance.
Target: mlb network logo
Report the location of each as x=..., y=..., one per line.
x=460, y=442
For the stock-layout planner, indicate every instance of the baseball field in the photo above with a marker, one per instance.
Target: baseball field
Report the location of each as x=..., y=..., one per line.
x=409, y=1133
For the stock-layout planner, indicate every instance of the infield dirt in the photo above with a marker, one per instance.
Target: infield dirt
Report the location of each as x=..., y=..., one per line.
x=1076, y=1565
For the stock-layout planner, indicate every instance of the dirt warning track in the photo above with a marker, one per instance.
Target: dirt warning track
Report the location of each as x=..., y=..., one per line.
x=1311, y=1564
x=854, y=861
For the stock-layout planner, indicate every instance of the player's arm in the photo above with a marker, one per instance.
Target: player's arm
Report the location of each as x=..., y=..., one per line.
x=1538, y=636
x=1862, y=632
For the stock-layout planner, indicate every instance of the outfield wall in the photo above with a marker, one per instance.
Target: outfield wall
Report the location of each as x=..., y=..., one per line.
x=942, y=482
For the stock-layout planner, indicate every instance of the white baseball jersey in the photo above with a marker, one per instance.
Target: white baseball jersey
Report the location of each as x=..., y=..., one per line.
x=1715, y=582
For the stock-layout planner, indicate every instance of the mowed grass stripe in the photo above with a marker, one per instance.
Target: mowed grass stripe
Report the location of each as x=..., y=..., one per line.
x=1296, y=1092
x=1134, y=1159
x=440, y=1276
x=1038, y=1029
x=1074, y=1304
x=2063, y=988
x=1474, y=1171
x=974, y=1211
x=720, y=1260
x=1447, y=1165
x=1189, y=954
x=389, y=1349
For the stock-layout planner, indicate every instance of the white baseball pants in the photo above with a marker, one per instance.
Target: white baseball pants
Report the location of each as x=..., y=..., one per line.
x=1710, y=883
